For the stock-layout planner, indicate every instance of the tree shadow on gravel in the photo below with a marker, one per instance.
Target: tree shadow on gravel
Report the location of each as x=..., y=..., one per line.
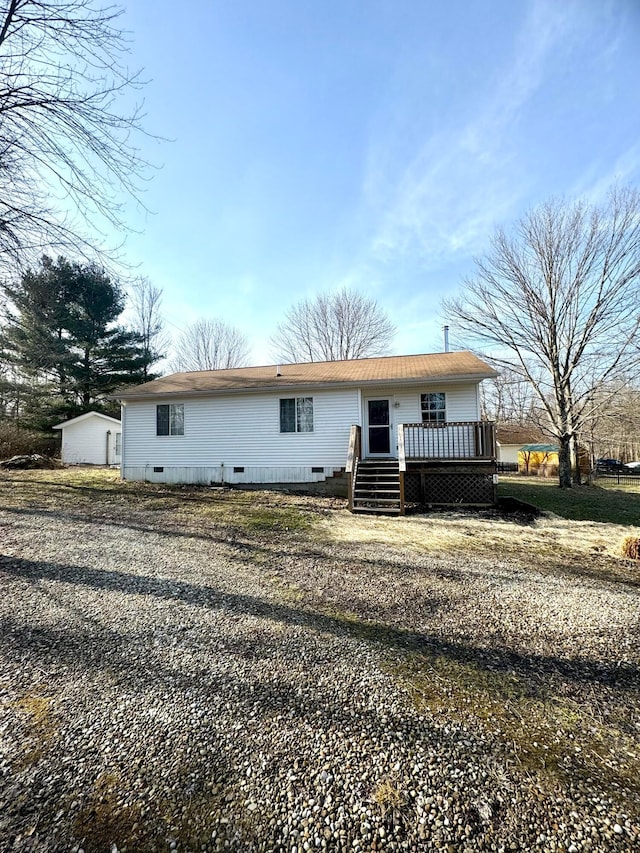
x=238, y=539
x=247, y=695
x=622, y=676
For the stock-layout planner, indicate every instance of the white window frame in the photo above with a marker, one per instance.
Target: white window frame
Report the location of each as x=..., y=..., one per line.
x=172, y=409
x=299, y=421
x=440, y=410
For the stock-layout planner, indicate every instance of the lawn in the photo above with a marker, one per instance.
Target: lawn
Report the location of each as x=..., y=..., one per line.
x=606, y=502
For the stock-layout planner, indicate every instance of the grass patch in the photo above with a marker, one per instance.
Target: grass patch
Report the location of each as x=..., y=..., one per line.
x=100, y=490
x=103, y=819
x=40, y=728
x=542, y=731
x=547, y=544
x=388, y=795
x=580, y=503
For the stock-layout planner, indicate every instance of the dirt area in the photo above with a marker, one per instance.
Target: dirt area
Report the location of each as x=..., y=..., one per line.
x=205, y=669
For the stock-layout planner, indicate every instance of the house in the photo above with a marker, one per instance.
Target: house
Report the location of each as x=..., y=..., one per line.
x=400, y=427
x=510, y=439
x=526, y=449
x=539, y=458
x=91, y=439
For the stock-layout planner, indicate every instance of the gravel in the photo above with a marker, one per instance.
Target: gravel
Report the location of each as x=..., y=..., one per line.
x=168, y=688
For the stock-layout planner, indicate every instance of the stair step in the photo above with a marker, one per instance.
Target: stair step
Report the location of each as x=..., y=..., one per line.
x=376, y=501
x=376, y=492
x=387, y=510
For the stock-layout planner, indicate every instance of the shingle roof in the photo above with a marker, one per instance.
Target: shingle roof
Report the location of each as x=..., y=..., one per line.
x=507, y=434
x=396, y=368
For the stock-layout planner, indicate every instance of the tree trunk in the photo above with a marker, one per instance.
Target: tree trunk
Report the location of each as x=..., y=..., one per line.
x=575, y=460
x=564, y=458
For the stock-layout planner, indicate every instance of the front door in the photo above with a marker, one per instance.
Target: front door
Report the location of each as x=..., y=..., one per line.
x=378, y=427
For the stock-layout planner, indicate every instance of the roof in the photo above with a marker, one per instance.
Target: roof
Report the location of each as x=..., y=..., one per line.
x=508, y=434
x=84, y=417
x=396, y=369
x=540, y=448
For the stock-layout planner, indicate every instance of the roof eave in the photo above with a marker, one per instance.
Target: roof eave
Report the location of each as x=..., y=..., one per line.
x=313, y=386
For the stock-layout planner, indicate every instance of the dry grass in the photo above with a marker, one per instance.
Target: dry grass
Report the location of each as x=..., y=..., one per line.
x=545, y=544
x=91, y=491
x=36, y=713
x=631, y=548
x=387, y=795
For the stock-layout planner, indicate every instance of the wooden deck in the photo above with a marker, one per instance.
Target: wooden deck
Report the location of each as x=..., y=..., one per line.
x=453, y=462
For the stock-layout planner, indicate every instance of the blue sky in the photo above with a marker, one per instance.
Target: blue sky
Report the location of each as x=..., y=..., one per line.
x=374, y=144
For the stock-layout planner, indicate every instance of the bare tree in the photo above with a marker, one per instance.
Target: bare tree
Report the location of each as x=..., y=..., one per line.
x=67, y=128
x=148, y=322
x=615, y=431
x=509, y=399
x=210, y=345
x=558, y=304
x=334, y=327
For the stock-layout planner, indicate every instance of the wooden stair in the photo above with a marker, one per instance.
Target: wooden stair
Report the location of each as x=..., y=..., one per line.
x=377, y=487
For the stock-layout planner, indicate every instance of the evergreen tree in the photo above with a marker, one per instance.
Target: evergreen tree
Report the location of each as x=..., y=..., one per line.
x=63, y=339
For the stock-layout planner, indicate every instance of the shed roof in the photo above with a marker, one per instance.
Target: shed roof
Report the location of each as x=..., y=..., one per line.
x=516, y=434
x=86, y=416
x=540, y=448
x=397, y=369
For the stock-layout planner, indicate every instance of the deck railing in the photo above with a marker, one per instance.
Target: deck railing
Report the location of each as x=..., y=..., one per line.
x=450, y=440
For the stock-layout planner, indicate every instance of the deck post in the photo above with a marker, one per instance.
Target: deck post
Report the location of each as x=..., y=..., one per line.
x=402, y=464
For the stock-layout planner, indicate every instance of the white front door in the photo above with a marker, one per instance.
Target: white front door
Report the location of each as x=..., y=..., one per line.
x=117, y=448
x=378, y=426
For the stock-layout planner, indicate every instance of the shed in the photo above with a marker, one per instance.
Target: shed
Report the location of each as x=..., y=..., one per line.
x=91, y=439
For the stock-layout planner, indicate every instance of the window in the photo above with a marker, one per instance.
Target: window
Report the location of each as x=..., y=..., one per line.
x=296, y=414
x=434, y=409
x=170, y=419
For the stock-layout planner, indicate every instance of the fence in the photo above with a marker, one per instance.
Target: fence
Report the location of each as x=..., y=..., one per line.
x=507, y=467
x=624, y=478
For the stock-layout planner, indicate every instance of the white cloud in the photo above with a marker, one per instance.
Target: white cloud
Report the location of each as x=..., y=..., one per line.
x=461, y=182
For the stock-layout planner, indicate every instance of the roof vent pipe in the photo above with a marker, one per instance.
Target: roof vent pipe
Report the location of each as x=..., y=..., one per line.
x=446, y=338
x=278, y=371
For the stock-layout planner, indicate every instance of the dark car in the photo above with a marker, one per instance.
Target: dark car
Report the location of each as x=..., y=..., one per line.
x=609, y=465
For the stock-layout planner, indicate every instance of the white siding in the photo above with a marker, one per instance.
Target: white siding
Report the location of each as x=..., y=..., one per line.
x=243, y=431
x=240, y=431
x=85, y=443
x=508, y=452
x=461, y=404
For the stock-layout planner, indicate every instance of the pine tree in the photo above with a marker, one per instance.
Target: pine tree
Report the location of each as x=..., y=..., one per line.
x=63, y=339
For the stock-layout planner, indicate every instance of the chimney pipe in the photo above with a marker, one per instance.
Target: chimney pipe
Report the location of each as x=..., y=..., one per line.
x=446, y=338
x=278, y=370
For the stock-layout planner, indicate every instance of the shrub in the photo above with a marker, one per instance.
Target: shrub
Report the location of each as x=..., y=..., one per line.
x=631, y=548
x=15, y=441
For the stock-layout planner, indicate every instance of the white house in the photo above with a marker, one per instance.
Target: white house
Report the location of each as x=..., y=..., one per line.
x=302, y=423
x=91, y=439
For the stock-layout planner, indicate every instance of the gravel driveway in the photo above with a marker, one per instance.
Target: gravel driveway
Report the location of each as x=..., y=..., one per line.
x=183, y=686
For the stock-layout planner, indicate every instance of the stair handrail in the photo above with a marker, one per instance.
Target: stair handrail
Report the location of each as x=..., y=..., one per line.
x=402, y=459
x=353, y=455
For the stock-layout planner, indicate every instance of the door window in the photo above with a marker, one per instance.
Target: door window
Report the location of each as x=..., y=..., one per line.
x=379, y=433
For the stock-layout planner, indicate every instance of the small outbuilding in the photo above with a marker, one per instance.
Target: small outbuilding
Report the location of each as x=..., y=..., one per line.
x=91, y=439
